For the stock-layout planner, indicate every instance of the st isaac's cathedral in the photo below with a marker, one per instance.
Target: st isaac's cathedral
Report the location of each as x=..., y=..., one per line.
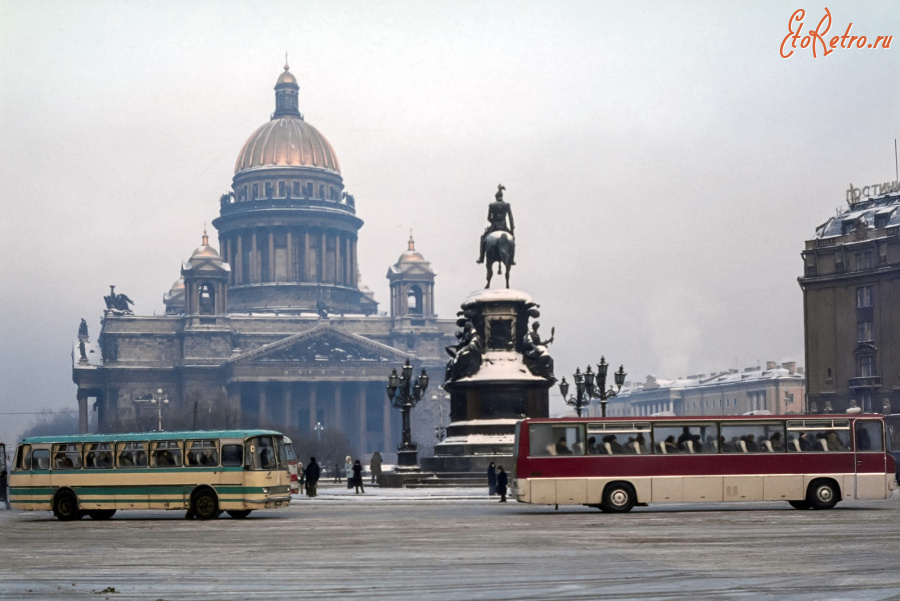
x=276, y=328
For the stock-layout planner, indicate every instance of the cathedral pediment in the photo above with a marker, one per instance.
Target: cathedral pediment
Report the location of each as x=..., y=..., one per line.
x=320, y=346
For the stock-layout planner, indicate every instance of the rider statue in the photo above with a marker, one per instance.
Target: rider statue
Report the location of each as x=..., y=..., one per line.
x=498, y=211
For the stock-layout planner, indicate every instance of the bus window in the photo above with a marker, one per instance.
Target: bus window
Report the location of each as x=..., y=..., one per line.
x=67, y=456
x=751, y=437
x=165, y=453
x=98, y=455
x=260, y=453
x=40, y=459
x=550, y=439
x=132, y=454
x=232, y=455
x=868, y=436
x=683, y=438
x=818, y=436
x=23, y=457
x=203, y=453
x=893, y=432
x=618, y=438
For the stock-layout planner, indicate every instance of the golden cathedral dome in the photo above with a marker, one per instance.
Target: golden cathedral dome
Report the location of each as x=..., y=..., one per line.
x=205, y=251
x=287, y=140
x=287, y=76
x=411, y=255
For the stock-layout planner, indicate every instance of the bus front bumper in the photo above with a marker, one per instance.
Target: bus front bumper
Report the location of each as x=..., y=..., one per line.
x=270, y=502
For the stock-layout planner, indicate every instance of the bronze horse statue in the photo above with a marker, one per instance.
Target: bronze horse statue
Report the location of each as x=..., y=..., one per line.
x=500, y=248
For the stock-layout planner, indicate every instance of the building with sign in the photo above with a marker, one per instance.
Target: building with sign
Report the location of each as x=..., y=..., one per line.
x=851, y=304
x=277, y=329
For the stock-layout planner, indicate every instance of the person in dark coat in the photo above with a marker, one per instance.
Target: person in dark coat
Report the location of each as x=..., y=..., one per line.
x=312, y=472
x=492, y=479
x=502, y=481
x=375, y=466
x=358, y=477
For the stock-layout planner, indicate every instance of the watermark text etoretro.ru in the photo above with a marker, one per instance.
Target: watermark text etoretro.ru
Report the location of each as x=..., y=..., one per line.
x=817, y=39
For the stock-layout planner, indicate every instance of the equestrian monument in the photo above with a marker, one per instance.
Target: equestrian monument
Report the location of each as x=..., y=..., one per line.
x=500, y=371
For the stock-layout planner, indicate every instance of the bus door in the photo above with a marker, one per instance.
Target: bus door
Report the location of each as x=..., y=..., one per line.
x=35, y=465
x=870, y=459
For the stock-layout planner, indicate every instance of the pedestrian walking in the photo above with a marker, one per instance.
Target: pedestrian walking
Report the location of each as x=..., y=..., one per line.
x=301, y=476
x=492, y=479
x=502, y=481
x=358, y=477
x=375, y=466
x=312, y=473
x=348, y=470
x=337, y=473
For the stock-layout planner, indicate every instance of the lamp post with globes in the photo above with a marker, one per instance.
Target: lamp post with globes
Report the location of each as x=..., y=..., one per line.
x=590, y=386
x=159, y=399
x=404, y=394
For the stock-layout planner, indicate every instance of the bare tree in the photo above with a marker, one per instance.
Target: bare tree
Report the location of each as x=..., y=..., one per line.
x=53, y=423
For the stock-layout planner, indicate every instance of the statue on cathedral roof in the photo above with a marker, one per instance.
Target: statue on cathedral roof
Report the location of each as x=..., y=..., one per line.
x=118, y=303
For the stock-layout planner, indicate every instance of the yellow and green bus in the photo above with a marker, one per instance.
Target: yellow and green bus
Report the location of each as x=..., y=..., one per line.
x=202, y=472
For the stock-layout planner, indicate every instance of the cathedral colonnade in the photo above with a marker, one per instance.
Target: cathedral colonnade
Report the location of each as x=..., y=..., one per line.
x=358, y=409
x=291, y=255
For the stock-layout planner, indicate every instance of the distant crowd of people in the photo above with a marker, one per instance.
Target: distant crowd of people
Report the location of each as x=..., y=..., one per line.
x=310, y=474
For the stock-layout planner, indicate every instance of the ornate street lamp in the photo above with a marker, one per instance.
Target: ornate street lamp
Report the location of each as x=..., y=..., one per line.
x=404, y=394
x=318, y=428
x=159, y=399
x=590, y=386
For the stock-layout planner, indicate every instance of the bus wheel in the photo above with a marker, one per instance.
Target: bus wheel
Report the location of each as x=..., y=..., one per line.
x=204, y=505
x=238, y=514
x=618, y=497
x=799, y=504
x=65, y=506
x=101, y=514
x=823, y=494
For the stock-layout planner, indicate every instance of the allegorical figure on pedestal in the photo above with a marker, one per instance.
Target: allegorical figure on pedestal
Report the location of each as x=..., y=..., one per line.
x=537, y=358
x=466, y=355
x=498, y=243
x=118, y=303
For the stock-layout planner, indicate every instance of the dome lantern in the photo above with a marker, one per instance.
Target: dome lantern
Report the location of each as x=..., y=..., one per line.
x=287, y=95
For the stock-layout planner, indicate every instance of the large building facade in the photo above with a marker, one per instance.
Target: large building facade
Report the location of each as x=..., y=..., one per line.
x=277, y=329
x=777, y=389
x=851, y=305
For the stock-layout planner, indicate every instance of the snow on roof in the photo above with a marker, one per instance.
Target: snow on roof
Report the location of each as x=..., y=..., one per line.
x=497, y=295
x=502, y=365
x=715, y=379
x=91, y=350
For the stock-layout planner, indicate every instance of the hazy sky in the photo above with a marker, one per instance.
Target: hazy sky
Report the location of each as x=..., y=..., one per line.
x=663, y=162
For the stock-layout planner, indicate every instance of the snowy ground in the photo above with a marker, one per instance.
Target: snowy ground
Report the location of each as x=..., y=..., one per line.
x=458, y=545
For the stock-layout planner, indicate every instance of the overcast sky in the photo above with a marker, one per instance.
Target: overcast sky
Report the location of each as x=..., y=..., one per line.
x=663, y=162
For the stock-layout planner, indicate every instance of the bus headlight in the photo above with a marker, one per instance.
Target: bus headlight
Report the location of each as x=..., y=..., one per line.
x=265, y=490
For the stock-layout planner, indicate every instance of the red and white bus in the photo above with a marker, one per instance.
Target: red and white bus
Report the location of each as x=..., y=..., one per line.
x=617, y=463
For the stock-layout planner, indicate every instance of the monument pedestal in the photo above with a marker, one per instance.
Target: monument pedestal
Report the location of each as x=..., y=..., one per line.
x=490, y=393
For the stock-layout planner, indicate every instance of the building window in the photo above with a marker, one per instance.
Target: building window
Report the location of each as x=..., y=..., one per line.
x=864, y=331
x=296, y=188
x=863, y=260
x=281, y=189
x=867, y=366
x=863, y=297
x=254, y=192
x=309, y=189
x=322, y=191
